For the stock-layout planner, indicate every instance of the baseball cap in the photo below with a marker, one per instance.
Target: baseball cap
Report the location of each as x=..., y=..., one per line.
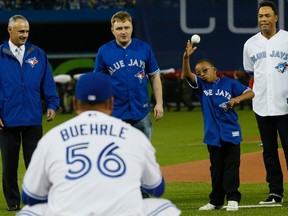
x=93, y=87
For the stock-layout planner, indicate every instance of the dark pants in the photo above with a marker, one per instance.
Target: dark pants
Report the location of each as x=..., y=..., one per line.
x=269, y=128
x=224, y=170
x=10, y=142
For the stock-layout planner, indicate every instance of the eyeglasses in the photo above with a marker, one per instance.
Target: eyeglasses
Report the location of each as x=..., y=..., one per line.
x=204, y=71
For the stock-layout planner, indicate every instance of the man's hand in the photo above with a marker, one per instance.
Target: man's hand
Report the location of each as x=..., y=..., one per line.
x=50, y=114
x=1, y=124
x=158, y=112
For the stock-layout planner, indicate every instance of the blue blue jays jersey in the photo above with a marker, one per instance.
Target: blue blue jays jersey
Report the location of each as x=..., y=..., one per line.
x=220, y=122
x=129, y=69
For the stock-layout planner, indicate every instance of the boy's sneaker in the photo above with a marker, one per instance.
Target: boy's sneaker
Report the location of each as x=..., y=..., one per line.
x=209, y=206
x=232, y=206
x=271, y=199
x=14, y=208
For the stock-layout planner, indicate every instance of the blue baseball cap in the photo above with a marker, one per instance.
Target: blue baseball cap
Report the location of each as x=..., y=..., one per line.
x=93, y=87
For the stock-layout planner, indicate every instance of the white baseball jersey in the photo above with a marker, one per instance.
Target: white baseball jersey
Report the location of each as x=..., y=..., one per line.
x=92, y=165
x=268, y=61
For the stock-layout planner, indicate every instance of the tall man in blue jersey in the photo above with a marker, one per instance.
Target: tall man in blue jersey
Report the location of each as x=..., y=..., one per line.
x=130, y=62
x=25, y=79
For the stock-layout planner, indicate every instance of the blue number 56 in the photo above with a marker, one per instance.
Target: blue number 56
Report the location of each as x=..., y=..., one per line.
x=108, y=163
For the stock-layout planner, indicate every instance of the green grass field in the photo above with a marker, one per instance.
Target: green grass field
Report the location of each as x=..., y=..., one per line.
x=178, y=139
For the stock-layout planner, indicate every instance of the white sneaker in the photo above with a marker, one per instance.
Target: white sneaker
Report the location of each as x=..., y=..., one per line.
x=209, y=207
x=271, y=199
x=232, y=206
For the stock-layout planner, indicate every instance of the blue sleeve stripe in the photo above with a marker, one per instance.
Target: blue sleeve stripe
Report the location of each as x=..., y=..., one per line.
x=25, y=190
x=28, y=200
x=155, y=191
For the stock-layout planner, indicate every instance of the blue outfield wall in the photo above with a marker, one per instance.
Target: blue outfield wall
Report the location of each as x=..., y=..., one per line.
x=224, y=26
x=63, y=16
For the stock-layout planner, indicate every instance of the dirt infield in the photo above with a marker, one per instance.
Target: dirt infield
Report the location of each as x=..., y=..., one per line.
x=251, y=170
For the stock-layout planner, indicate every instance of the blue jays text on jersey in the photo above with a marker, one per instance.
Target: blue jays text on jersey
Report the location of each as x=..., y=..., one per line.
x=220, y=122
x=129, y=68
x=274, y=54
x=121, y=64
x=92, y=129
x=219, y=92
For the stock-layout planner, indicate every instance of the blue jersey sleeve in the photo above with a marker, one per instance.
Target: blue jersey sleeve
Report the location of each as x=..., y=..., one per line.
x=238, y=88
x=99, y=65
x=152, y=63
x=157, y=191
x=29, y=200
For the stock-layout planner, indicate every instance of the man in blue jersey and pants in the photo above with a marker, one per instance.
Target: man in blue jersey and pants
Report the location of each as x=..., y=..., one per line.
x=131, y=63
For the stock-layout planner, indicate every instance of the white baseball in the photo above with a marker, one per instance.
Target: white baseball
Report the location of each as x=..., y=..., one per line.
x=195, y=39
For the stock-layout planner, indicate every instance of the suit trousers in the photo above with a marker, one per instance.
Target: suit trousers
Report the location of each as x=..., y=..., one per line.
x=10, y=143
x=270, y=127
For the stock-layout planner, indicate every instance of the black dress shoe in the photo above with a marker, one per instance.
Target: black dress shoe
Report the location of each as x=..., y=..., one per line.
x=13, y=208
x=145, y=195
